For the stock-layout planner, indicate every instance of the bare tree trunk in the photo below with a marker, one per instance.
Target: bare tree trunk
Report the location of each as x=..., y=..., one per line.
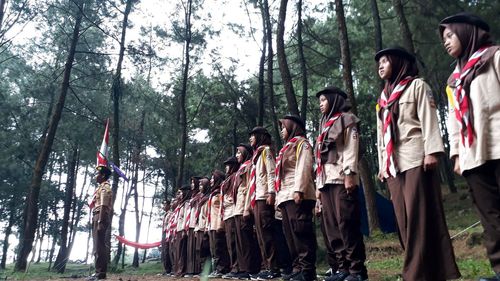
x=262, y=86
x=364, y=169
x=302, y=60
x=376, y=25
x=2, y=12
x=136, y=159
x=8, y=231
x=282, y=61
x=270, y=69
x=30, y=215
x=151, y=214
x=403, y=26
x=183, y=92
x=62, y=255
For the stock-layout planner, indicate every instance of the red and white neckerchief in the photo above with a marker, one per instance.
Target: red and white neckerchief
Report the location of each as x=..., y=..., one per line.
x=319, y=141
x=240, y=172
x=461, y=100
x=212, y=195
x=222, y=186
x=277, y=179
x=188, y=215
x=92, y=200
x=253, y=177
x=385, y=103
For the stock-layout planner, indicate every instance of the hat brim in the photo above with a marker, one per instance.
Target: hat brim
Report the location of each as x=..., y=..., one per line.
x=400, y=52
x=466, y=18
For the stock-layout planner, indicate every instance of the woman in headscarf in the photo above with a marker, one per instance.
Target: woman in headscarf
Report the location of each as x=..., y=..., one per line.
x=227, y=212
x=247, y=249
x=336, y=181
x=202, y=245
x=262, y=199
x=218, y=247
x=180, y=247
x=192, y=267
x=474, y=119
x=295, y=197
x=409, y=144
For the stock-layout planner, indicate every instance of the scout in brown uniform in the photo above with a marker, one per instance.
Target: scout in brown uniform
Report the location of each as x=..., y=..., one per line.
x=247, y=248
x=180, y=247
x=337, y=180
x=409, y=143
x=262, y=197
x=218, y=247
x=165, y=256
x=296, y=198
x=192, y=265
x=228, y=197
x=102, y=210
x=201, y=230
x=474, y=120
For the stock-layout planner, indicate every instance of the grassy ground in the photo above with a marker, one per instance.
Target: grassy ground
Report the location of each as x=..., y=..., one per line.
x=384, y=254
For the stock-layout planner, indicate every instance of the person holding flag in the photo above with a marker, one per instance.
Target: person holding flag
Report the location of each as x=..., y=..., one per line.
x=102, y=209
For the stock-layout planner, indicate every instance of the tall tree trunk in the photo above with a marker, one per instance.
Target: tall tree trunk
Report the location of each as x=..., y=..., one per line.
x=376, y=25
x=30, y=215
x=136, y=159
x=121, y=224
x=262, y=86
x=151, y=214
x=403, y=26
x=116, y=93
x=8, y=231
x=270, y=69
x=302, y=60
x=79, y=208
x=364, y=168
x=183, y=93
x=62, y=255
x=286, y=77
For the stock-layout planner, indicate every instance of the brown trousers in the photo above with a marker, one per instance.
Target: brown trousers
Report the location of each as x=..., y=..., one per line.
x=101, y=246
x=247, y=248
x=273, y=248
x=218, y=250
x=171, y=251
x=230, y=228
x=191, y=253
x=202, y=249
x=300, y=236
x=342, y=220
x=418, y=205
x=165, y=254
x=180, y=251
x=330, y=253
x=484, y=186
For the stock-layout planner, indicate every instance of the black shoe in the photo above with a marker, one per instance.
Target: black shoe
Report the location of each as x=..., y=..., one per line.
x=329, y=272
x=230, y=275
x=215, y=274
x=96, y=276
x=268, y=275
x=298, y=277
x=356, y=277
x=187, y=275
x=338, y=276
x=287, y=277
x=243, y=276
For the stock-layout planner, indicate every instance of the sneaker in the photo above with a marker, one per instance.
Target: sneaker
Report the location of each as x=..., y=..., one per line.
x=338, y=276
x=254, y=276
x=329, y=272
x=230, y=275
x=215, y=274
x=268, y=275
x=187, y=275
x=356, y=277
x=298, y=277
x=243, y=276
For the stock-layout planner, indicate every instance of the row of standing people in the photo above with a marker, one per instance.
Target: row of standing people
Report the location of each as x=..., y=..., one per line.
x=262, y=198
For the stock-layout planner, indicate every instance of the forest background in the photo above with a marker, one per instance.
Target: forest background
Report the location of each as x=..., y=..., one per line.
x=182, y=83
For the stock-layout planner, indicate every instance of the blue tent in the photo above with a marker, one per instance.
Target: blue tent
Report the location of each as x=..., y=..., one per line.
x=386, y=216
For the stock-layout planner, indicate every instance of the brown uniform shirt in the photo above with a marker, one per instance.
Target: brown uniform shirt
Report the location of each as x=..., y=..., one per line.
x=418, y=128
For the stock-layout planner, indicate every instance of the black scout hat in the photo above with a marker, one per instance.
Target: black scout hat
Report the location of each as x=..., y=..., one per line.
x=296, y=119
x=259, y=130
x=396, y=50
x=231, y=161
x=331, y=90
x=465, y=17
